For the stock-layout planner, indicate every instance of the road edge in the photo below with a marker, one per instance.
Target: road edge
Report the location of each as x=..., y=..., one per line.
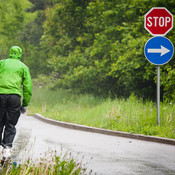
x=105, y=131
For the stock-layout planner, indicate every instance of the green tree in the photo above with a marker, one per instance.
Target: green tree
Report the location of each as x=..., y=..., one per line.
x=13, y=18
x=34, y=54
x=98, y=46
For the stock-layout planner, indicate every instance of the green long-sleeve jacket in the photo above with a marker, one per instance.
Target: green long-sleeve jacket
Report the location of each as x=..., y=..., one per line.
x=15, y=76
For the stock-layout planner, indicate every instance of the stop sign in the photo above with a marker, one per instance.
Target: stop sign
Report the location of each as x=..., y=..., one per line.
x=158, y=21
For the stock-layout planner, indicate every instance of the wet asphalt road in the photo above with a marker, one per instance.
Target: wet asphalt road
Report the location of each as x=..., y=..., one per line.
x=104, y=154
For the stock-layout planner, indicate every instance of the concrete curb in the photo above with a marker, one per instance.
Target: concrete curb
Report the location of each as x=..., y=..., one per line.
x=105, y=131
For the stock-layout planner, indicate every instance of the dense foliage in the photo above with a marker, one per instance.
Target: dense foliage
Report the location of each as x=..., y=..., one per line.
x=91, y=46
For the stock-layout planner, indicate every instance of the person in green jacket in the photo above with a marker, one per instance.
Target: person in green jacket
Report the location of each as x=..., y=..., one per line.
x=15, y=82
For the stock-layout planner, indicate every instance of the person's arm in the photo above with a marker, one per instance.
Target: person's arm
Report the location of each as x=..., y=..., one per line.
x=27, y=87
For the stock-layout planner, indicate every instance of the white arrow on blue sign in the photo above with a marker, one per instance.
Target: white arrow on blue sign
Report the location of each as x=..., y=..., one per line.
x=159, y=50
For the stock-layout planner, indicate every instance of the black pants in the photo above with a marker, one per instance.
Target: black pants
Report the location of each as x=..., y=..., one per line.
x=9, y=114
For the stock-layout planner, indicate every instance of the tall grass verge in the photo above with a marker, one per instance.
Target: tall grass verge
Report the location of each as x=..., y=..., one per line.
x=131, y=115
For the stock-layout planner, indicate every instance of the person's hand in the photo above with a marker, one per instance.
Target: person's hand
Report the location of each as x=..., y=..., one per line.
x=23, y=109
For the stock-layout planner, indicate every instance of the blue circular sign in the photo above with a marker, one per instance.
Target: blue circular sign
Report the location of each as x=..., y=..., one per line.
x=159, y=50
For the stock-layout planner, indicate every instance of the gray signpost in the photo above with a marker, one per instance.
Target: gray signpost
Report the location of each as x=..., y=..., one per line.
x=158, y=95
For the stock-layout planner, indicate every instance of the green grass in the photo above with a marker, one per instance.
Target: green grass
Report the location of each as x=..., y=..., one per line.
x=131, y=115
x=51, y=164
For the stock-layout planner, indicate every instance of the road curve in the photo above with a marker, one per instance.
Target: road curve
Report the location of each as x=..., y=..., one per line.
x=104, y=154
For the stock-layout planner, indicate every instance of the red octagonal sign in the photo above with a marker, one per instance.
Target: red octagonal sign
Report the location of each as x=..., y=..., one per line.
x=158, y=21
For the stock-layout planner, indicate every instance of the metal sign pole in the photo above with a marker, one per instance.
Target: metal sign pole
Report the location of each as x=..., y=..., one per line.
x=158, y=95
